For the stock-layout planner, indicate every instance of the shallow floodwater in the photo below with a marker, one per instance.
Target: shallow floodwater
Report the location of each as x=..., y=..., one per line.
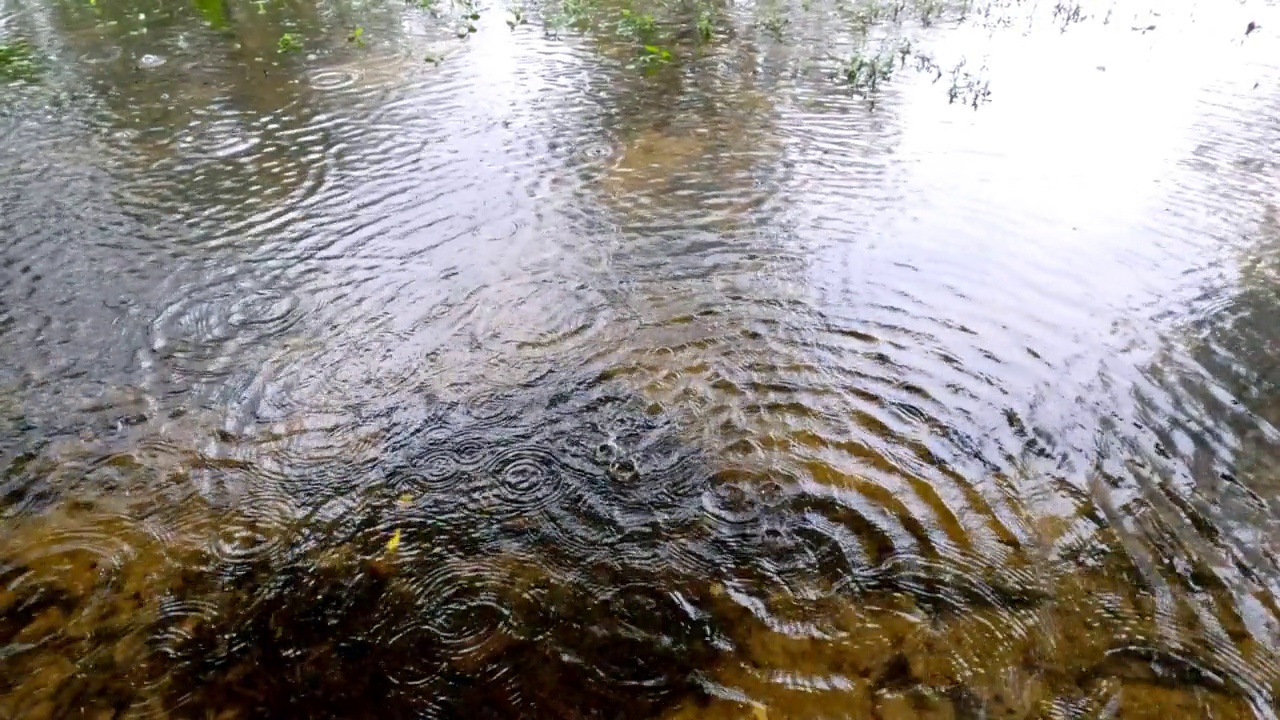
x=479, y=361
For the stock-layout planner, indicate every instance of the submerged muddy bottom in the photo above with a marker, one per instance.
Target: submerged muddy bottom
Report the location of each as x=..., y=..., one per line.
x=465, y=565
x=461, y=563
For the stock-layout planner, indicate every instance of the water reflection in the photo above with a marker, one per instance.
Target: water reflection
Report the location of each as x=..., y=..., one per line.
x=532, y=382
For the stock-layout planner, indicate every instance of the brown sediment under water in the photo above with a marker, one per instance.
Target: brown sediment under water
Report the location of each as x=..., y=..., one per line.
x=644, y=360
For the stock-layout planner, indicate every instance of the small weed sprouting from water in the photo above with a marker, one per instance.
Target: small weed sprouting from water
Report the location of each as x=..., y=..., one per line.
x=17, y=61
x=970, y=90
x=658, y=53
x=467, y=16
x=470, y=13
x=652, y=57
x=862, y=20
x=872, y=14
x=706, y=27
x=517, y=17
x=930, y=10
x=966, y=88
x=289, y=42
x=636, y=26
x=356, y=37
x=904, y=51
x=572, y=13
x=865, y=73
x=214, y=13
x=1067, y=13
x=775, y=23
x=577, y=12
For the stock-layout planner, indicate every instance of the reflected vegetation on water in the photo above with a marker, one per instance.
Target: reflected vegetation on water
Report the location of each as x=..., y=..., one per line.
x=613, y=359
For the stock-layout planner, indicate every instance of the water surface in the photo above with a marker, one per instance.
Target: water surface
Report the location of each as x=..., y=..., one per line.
x=430, y=372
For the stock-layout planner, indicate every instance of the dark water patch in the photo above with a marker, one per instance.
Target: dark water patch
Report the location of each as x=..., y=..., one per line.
x=436, y=599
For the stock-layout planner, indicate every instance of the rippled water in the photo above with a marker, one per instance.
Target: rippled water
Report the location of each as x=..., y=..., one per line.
x=521, y=382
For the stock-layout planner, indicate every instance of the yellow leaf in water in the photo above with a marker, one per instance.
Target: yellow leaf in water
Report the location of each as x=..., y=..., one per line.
x=394, y=542
x=406, y=499
x=759, y=712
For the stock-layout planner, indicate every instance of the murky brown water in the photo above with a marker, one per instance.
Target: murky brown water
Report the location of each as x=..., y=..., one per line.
x=545, y=380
